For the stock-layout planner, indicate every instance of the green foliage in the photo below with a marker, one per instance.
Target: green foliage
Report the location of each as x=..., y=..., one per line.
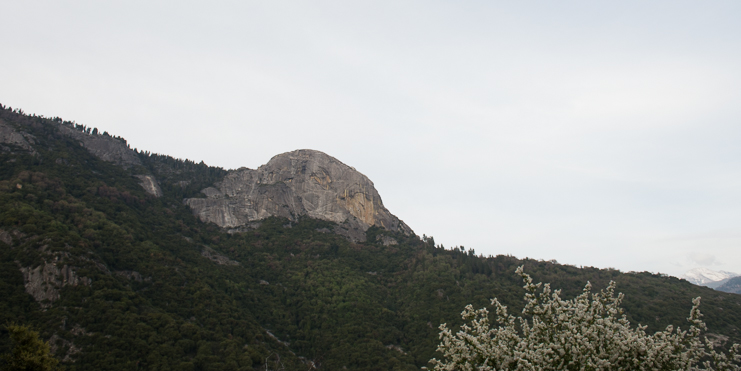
x=29, y=353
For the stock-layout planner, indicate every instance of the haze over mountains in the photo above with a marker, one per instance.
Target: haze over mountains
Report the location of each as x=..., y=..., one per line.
x=128, y=260
x=732, y=285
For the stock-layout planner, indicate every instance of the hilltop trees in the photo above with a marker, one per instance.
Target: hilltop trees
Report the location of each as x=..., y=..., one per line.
x=588, y=332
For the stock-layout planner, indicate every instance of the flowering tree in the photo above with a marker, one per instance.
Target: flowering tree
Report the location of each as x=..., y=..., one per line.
x=589, y=332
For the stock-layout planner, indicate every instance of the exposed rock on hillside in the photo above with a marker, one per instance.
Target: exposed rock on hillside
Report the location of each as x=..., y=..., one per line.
x=44, y=281
x=150, y=185
x=9, y=135
x=294, y=184
x=104, y=147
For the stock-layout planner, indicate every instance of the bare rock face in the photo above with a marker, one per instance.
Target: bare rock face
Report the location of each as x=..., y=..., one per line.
x=9, y=135
x=150, y=185
x=114, y=150
x=44, y=281
x=293, y=184
x=104, y=147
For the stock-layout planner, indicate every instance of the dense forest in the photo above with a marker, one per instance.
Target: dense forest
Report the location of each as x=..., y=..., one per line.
x=118, y=279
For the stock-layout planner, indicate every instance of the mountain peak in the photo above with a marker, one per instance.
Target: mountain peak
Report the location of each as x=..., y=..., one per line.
x=308, y=154
x=302, y=160
x=304, y=182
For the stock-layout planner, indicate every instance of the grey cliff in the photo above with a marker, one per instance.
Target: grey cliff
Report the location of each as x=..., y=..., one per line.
x=293, y=184
x=21, y=139
x=104, y=147
x=45, y=281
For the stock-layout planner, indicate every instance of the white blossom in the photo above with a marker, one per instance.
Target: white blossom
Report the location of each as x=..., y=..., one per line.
x=589, y=332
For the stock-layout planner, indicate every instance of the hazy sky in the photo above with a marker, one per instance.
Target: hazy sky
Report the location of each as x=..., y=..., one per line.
x=594, y=133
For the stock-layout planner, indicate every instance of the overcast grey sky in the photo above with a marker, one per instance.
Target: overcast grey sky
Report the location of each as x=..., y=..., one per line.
x=594, y=133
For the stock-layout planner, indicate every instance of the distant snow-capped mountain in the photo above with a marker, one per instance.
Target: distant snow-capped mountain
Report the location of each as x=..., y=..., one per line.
x=706, y=277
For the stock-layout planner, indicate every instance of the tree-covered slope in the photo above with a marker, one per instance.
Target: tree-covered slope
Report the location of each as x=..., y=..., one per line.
x=117, y=278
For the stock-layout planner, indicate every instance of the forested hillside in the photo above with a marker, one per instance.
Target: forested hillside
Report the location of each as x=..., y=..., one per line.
x=117, y=278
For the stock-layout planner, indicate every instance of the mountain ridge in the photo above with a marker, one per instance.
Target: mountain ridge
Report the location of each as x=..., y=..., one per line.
x=732, y=285
x=330, y=190
x=121, y=275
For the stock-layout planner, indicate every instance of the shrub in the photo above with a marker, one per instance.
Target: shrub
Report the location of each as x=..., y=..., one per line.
x=29, y=352
x=589, y=332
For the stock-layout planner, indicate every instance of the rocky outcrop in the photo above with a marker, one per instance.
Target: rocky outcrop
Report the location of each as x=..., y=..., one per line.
x=6, y=237
x=217, y=258
x=293, y=184
x=115, y=150
x=104, y=147
x=20, y=139
x=44, y=281
x=150, y=185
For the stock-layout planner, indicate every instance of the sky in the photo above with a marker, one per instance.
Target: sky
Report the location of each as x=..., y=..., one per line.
x=597, y=134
